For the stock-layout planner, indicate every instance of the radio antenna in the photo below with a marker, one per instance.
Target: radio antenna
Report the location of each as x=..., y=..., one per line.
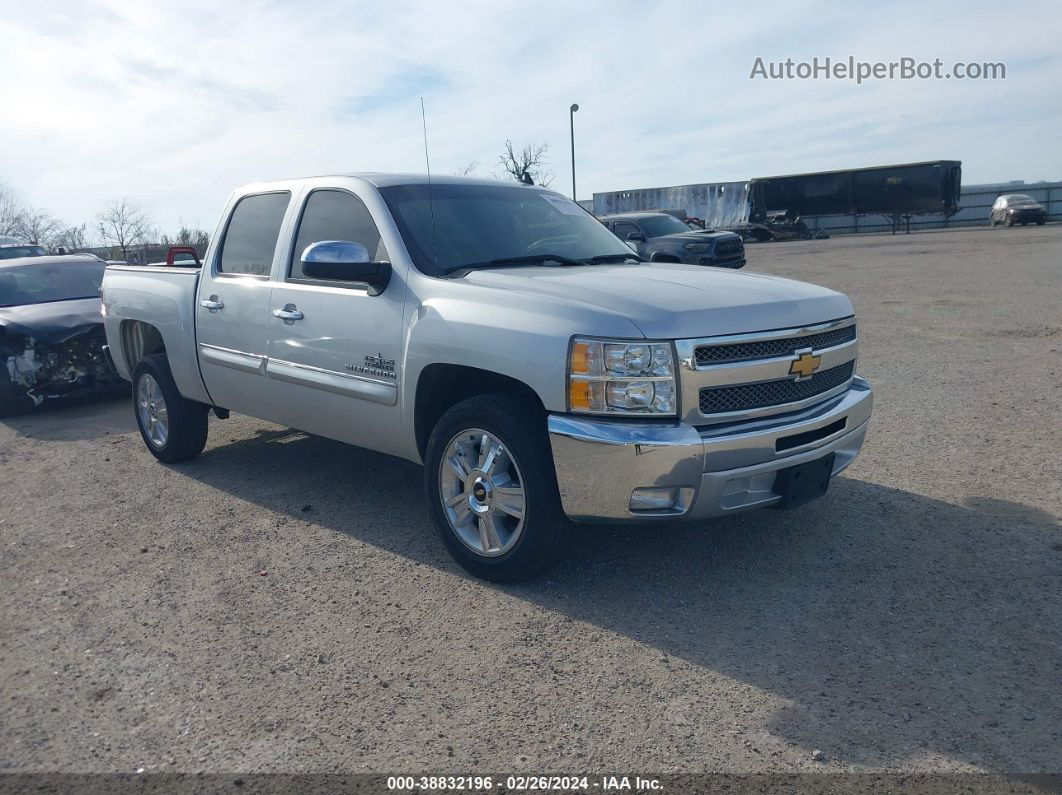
x=431, y=204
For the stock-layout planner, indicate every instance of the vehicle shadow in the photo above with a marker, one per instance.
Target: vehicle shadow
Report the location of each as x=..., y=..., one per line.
x=77, y=418
x=890, y=622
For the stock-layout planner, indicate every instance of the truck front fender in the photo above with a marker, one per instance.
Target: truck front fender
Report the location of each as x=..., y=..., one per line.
x=524, y=340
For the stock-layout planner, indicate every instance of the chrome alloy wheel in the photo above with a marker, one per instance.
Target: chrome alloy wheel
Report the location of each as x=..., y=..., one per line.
x=151, y=406
x=482, y=492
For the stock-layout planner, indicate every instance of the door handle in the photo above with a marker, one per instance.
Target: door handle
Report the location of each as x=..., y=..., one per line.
x=289, y=314
x=213, y=303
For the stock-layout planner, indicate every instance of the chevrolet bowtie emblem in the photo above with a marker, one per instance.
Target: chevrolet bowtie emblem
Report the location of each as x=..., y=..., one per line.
x=804, y=366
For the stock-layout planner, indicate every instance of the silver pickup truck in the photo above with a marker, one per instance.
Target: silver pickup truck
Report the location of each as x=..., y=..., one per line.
x=502, y=337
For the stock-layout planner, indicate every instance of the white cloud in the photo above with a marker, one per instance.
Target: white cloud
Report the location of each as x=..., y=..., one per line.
x=176, y=103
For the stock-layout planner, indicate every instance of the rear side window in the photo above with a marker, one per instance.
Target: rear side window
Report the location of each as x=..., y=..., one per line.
x=335, y=215
x=251, y=236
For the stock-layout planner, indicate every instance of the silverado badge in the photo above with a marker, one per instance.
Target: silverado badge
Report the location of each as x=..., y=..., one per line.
x=374, y=365
x=805, y=365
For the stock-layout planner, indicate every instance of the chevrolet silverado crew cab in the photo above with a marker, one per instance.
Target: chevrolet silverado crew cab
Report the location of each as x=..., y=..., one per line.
x=537, y=367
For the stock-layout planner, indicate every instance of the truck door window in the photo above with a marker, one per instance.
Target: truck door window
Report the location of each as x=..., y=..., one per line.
x=251, y=236
x=624, y=228
x=335, y=215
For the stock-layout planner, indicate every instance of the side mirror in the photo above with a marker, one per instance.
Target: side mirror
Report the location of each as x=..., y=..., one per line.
x=636, y=237
x=345, y=261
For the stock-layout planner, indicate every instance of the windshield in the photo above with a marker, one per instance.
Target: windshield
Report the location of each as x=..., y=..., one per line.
x=475, y=224
x=1018, y=200
x=14, y=252
x=40, y=284
x=660, y=225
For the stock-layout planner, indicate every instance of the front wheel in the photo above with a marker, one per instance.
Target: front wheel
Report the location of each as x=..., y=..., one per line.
x=492, y=488
x=173, y=427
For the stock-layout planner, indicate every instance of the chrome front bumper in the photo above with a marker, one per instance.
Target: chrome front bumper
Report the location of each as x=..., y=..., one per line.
x=713, y=471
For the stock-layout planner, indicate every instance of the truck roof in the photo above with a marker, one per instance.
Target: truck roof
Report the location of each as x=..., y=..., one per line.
x=634, y=216
x=383, y=180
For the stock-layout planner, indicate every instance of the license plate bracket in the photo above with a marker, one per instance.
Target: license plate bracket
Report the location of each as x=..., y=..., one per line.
x=804, y=482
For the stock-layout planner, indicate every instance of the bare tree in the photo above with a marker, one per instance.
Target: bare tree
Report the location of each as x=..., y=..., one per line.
x=192, y=236
x=123, y=224
x=528, y=165
x=72, y=238
x=11, y=210
x=38, y=227
x=469, y=170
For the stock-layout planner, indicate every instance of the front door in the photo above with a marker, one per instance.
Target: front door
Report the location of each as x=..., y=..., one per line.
x=334, y=346
x=624, y=228
x=232, y=312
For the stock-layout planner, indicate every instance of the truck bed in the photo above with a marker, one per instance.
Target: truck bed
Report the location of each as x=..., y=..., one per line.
x=162, y=297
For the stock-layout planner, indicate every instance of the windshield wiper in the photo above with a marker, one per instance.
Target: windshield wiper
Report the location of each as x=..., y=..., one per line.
x=503, y=262
x=612, y=258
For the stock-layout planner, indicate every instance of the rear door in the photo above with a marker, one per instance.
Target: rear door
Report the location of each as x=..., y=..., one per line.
x=623, y=228
x=232, y=311
x=334, y=346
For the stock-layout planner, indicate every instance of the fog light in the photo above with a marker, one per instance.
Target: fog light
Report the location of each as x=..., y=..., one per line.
x=653, y=499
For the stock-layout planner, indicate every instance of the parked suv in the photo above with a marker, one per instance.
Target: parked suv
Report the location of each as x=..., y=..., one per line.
x=659, y=237
x=1017, y=208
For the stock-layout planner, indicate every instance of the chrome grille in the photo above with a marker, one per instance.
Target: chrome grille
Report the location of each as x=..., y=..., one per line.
x=767, y=349
x=718, y=400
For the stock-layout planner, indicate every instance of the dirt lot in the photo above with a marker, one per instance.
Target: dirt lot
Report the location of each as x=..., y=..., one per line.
x=910, y=620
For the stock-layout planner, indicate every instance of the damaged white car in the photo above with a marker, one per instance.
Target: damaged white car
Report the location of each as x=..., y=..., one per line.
x=52, y=342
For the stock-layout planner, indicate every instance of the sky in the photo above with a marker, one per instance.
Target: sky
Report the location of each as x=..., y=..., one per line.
x=174, y=104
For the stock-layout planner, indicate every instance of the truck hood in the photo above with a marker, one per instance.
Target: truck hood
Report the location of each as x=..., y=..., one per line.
x=674, y=301
x=694, y=236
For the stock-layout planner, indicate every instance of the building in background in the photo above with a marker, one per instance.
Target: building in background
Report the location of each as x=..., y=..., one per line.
x=718, y=204
x=728, y=205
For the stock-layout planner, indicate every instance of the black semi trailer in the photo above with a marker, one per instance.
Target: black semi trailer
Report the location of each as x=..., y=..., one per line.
x=893, y=191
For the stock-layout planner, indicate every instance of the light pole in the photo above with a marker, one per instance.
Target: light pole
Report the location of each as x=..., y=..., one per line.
x=571, y=118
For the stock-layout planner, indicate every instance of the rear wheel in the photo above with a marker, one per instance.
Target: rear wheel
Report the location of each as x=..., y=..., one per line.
x=173, y=427
x=492, y=489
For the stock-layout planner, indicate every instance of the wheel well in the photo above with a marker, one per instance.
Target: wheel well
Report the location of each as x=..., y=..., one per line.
x=665, y=258
x=139, y=339
x=443, y=385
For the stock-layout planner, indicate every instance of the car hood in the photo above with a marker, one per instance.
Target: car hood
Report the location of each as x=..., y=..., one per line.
x=673, y=301
x=692, y=237
x=713, y=233
x=55, y=321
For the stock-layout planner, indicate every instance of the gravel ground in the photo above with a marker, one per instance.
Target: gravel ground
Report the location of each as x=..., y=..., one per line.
x=281, y=604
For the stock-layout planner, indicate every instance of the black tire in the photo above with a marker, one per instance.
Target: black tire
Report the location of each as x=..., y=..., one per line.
x=520, y=426
x=1041, y=222
x=187, y=419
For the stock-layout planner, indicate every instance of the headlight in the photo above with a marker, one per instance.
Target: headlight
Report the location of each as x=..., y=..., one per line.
x=698, y=247
x=620, y=377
